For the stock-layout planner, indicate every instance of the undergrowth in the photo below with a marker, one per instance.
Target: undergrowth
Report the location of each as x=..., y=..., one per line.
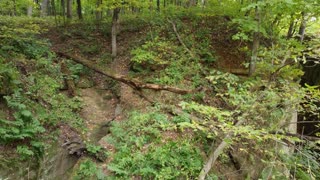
x=143, y=150
x=30, y=83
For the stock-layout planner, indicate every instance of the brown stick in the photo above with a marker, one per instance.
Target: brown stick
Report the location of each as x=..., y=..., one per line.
x=135, y=84
x=215, y=154
x=179, y=38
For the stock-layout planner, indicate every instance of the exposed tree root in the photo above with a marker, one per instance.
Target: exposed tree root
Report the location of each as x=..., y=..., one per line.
x=135, y=84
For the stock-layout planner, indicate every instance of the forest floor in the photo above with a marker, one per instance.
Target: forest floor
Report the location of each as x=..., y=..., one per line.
x=104, y=101
x=102, y=104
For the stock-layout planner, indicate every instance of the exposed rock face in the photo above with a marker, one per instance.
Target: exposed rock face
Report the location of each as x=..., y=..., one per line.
x=311, y=77
x=311, y=73
x=58, y=164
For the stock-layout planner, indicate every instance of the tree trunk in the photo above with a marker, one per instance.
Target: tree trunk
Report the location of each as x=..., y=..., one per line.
x=79, y=9
x=302, y=28
x=52, y=8
x=115, y=19
x=255, y=44
x=63, y=8
x=202, y=3
x=14, y=13
x=29, y=11
x=69, y=9
x=192, y=3
x=291, y=28
x=158, y=5
x=54, y=11
x=98, y=10
x=44, y=8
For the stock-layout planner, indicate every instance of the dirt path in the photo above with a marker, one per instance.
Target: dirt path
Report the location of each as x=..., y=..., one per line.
x=99, y=109
x=103, y=102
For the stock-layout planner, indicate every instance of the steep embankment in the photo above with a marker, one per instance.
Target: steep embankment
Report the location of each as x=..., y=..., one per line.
x=105, y=100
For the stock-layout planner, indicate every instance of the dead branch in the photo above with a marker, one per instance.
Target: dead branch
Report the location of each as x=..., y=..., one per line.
x=277, y=71
x=300, y=136
x=179, y=38
x=135, y=84
x=215, y=154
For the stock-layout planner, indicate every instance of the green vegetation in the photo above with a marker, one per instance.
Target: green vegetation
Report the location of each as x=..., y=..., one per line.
x=143, y=150
x=30, y=83
x=226, y=89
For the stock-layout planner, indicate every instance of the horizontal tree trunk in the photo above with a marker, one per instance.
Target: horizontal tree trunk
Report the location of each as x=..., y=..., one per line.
x=135, y=84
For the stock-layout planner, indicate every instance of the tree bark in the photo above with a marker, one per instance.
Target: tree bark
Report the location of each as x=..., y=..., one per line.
x=115, y=19
x=69, y=9
x=291, y=28
x=158, y=5
x=14, y=13
x=79, y=9
x=203, y=3
x=255, y=44
x=29, y=11
x=44, y=8
x=63, y=8
x=135, y=84
x=192, y=3
x=303, y=26
x=98, y=11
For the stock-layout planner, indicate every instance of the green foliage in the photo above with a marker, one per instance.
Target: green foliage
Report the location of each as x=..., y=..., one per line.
x=165, y=56
x=96, y=151
x=9, y=76
x=141, y=152
x=156, y=52
x=311, y=100
x=88, y=170
x=17, y=7
x=30, y=82
x=24, y=152
x=18, y=36
x=24, y=126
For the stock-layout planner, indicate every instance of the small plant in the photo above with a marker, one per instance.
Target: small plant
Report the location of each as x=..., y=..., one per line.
x=24, y=126
x=88, y=170
x=154, y=53
x=141, y=152
x=24, y=152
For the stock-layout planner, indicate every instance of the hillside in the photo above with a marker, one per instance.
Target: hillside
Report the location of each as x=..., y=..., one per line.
x=220, y=90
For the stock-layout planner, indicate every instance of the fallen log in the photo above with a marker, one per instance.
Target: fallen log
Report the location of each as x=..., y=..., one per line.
x=135, y=84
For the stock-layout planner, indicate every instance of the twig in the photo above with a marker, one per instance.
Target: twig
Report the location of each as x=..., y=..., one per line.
x=276, y=72
x=179, y=38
